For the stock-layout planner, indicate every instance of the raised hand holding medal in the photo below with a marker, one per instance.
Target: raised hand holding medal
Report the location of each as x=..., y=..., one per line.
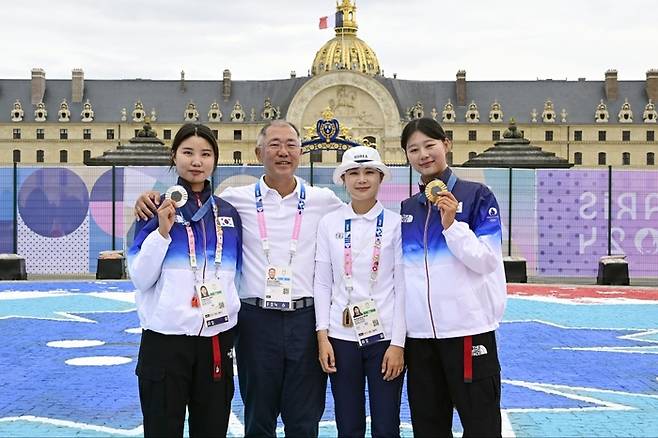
x=438, y=194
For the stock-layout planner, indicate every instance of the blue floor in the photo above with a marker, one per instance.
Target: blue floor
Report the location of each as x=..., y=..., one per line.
x=569, y=369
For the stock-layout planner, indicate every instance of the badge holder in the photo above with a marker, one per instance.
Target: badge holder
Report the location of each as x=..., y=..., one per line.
x=367, y=327
x=213, y=303
x=278, y=288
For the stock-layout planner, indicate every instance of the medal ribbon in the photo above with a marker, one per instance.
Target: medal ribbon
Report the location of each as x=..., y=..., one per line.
x=347, y=253
x=262, y=226
x=219, y=233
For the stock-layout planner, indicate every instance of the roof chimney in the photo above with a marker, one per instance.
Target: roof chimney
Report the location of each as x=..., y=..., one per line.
x=611, y=86
x=226, y=85
x=38, y=85
x=77, y=85
x=652, y=84
x=293, y=74
x=182, y=81
x=460, y=88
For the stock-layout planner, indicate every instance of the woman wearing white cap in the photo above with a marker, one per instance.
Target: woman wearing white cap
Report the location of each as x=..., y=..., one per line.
x=359, y=300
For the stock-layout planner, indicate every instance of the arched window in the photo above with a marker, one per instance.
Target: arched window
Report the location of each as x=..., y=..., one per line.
x=626, y=159
x=602, y=158
x=472, y=155
x=578, y=158
x=86, y=155
x=17, y=156
x=651, y=159
x=372, y=140
x=40, y=156
x=237, y=157
x=63, y=156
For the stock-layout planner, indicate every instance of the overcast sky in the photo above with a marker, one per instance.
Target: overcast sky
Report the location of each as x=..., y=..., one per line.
x=261, y=39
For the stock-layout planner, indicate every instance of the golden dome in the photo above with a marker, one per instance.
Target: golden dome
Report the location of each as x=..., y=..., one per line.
x=345, y=51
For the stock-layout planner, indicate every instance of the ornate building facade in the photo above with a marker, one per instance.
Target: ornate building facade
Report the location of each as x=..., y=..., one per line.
x=590, y=123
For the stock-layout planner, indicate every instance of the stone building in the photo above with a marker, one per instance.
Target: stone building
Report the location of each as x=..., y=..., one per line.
x=588, y=122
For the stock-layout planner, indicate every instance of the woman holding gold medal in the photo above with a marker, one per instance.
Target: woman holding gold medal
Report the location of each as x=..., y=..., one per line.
x=183, y=263
x=456, y=292
x=359, y=300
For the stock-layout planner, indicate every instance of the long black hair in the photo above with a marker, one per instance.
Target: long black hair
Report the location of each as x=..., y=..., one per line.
x=188, y=130
x=427, y=126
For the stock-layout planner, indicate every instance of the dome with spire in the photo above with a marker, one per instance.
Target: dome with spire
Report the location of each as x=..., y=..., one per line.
x=345, y=51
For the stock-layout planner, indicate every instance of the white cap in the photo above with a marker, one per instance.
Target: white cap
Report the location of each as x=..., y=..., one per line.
x=360, y=156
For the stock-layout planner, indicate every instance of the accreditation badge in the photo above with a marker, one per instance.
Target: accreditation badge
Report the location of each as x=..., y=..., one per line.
x=213, y=303
x=365, y=319
x=278, y=288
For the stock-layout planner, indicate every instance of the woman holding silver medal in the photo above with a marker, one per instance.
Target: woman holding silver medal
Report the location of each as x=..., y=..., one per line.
x=184, y=263
x=359, y=300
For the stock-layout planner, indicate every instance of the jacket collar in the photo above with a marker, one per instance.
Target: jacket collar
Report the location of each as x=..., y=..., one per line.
x=371, y=215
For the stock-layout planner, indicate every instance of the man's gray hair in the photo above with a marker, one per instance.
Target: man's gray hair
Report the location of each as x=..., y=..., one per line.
x=280, y=122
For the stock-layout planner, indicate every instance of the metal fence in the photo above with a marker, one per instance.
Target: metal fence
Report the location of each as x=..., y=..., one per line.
x=561, y=221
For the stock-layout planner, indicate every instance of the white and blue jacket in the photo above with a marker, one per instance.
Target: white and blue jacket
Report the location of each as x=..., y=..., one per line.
x=160, y=268
x=455, y=277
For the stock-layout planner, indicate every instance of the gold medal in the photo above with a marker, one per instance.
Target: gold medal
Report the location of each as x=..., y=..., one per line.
x=433, y=188
x=347, y=318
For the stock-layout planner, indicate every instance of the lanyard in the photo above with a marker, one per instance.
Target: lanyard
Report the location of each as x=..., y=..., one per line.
x=451, y=181
x=376, y=251
x=262, y=227
x=219, y=237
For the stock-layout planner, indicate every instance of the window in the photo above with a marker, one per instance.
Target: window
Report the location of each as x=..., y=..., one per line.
x=578, y=158
x=578, y=136
x=86, y=155
x=136, y=132
x=625, y=135
x=109, y=134
x=495, y=135
x=63, y=156
x=40, y=134
x=602, y=157
x=86, y=134
x=39, y=156
x=215, y=133
x=372, y=140
x=63, y=134
x=237, y=134
x=237, y=157
x=472, y=155
x=472, y=135
x=316, y=156
x=602, y=135
x=17, y=156
x=626, y=159
x=449, y=158
x=17, y=134
x=651, y=159
x=449, y=134
x=167, y=134
x=339, y=156
x=651, y=136
x=548, y=136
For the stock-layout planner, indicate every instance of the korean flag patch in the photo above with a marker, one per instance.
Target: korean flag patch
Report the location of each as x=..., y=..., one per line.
x=226, y=221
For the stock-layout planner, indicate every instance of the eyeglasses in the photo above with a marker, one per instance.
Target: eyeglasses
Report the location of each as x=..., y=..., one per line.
x=290, y=147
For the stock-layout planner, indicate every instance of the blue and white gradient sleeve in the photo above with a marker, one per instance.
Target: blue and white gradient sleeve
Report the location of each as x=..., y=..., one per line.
x=478, y=248
x=146, y=255
x=399, y=330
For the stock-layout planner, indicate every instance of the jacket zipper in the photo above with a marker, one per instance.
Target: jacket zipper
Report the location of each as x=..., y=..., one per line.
x=427, y=270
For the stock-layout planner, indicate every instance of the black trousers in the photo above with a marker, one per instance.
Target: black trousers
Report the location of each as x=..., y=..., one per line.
x=435, y=384
x=279, y=371
x=175, y=372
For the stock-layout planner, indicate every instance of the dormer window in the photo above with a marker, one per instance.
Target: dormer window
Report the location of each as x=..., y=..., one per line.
x=548, y=115
x=191, y=114
x=40, y=114
x=64, y=113
x=472, y=115
x=17, y=112
x=625, y=113
x=138, y=112
x=601, y=115
x=237, y=115
x=214, y=114
x=495, y=113
x=416, y=111
x=649, y=115
x=448, y=113
x=269, y=112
